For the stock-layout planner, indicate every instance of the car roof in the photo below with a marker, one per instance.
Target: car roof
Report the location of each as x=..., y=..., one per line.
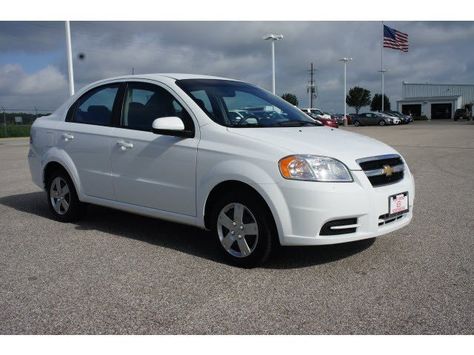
x=176, y=76
x=163, y=77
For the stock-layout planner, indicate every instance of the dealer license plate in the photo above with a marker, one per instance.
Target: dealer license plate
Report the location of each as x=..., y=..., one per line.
x=398, y=203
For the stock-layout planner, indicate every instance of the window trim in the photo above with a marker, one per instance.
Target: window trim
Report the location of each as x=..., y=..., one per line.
x=70, y=116
x=145, y=85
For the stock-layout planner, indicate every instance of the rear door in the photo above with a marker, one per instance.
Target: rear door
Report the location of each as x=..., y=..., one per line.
x=153, y=170
x=371, y=119
x=86, y=138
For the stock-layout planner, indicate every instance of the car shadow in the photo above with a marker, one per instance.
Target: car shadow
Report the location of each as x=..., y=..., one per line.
x=185, y=239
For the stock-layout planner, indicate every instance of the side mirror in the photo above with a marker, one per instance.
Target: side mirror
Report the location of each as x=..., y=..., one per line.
x=171, y=126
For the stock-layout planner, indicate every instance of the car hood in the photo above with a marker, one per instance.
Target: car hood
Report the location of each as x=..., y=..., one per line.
x=336, y=143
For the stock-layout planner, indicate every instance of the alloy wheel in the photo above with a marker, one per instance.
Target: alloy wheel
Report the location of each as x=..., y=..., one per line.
x=60, y=195
x=237, y=230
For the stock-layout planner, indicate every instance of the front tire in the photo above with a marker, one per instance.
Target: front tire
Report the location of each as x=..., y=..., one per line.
x=62, y=197
x=243, y=228
x=381, y=123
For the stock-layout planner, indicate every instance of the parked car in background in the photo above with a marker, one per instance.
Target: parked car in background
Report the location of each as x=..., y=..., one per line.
x=351, y=117
x=461, y=113
x=330, y=122
x=372, y=119
x=317, y=112
x=405, y=119
x=340, y=119
x=395, y=119
x=165, y=146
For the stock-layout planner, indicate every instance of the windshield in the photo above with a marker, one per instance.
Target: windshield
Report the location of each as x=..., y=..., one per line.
x=237, y=104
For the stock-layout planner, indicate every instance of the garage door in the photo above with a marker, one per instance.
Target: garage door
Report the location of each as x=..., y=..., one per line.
x=441, y=111
x=414, y=110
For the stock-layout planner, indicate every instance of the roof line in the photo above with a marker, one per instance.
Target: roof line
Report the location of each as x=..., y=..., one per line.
x=432, y=84
x=430, y=98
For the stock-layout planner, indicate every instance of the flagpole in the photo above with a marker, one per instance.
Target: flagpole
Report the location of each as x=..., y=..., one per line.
x=381, y=66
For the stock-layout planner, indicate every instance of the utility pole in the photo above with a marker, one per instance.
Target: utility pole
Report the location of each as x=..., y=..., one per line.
x=311, y=89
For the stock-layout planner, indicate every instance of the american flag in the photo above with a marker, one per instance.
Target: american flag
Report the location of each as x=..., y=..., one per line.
x=395, y=39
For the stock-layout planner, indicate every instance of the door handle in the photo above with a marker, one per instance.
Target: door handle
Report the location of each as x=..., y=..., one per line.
x=125, y=145
x=68, y=137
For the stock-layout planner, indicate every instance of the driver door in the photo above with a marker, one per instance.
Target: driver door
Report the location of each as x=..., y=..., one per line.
x=153, y=170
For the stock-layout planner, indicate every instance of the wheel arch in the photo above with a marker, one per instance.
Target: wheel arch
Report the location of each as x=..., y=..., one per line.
x=58, y=159
x=49, y=168
x=239, y=187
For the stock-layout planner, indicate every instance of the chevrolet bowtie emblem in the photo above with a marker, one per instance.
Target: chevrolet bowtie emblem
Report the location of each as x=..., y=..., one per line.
x=387, y=170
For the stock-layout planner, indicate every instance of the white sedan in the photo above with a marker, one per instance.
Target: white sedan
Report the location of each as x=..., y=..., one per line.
x=166, y=146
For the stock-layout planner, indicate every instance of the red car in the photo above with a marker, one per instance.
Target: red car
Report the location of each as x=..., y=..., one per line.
x=328, y=122
x=325, y=121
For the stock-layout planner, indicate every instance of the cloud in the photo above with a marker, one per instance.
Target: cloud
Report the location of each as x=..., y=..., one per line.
x=45, y=81
x=23, y=90
x=439, y=52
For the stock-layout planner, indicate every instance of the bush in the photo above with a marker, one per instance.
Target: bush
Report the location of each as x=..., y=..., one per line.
x=15, y=131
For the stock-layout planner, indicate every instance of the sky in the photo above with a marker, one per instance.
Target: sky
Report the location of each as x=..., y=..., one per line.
x=33, y=71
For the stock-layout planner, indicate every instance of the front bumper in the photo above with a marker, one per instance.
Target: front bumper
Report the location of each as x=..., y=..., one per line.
x=309, y=205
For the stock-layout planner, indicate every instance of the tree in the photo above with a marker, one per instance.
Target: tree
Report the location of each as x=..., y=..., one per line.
x=358, y=97
x=290, y=98
x=376, y=104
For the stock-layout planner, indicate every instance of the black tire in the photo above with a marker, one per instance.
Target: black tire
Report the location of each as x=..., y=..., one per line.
x=75, y=209
x=356, y=123
x=267, y=234
x=382, y=123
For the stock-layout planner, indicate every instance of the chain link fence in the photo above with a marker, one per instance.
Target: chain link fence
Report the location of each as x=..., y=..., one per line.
x=16, y=122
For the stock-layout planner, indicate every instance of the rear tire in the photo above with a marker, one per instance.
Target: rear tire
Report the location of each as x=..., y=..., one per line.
x=381, y=123
x=356, y=123
x=244, y=229
x=62, y=197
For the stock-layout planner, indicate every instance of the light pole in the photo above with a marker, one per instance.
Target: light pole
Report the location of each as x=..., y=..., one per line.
x=345, y=61
x=273, y=38
x=70, y=69
x=382, y=71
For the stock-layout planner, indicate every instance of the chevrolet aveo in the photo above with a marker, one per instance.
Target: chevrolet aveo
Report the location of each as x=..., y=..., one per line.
x=219, y=154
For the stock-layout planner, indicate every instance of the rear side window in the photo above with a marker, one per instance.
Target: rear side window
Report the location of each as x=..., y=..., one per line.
x=96, y=106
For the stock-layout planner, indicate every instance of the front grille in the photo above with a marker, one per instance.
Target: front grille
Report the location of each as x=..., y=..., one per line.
x=340, y=226
x=383, y=169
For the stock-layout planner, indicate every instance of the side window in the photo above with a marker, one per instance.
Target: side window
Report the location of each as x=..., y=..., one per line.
x=96, y=106
x=201, y=98
x=145, y=103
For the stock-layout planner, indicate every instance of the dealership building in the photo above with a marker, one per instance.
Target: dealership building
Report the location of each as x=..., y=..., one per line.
x=435, y=100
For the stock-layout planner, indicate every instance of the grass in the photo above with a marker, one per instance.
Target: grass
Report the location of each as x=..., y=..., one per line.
x=15, y=131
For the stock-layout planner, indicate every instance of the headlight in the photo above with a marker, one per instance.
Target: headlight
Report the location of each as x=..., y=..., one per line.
x=314, y=168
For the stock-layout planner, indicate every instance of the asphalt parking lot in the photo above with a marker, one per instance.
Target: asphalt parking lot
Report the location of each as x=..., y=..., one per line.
x=116, y=272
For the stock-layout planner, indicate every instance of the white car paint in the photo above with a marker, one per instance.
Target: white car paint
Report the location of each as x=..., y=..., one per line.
x=171, y=177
